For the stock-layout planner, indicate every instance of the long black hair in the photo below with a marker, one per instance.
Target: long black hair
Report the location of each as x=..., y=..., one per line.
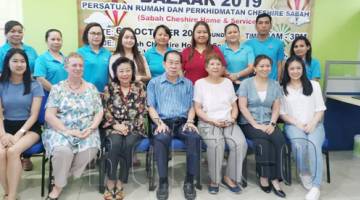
x=307, y=43
x=138, y=59
x=6, y=73
x=209, y=48
x=305, y=82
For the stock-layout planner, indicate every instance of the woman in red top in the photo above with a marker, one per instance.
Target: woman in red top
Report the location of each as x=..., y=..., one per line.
x=193, y=57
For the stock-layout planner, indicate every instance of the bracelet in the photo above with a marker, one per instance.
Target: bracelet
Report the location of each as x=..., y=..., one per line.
x=273, y=124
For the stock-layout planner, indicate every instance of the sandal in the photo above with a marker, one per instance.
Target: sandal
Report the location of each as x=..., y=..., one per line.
x=108, y=195
x=119, y=193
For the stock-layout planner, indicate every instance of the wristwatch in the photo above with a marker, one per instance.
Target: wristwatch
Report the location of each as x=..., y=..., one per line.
x=190, y=121
x=273, y=124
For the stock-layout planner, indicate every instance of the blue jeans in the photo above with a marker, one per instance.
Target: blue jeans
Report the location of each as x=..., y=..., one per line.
x=307, y=149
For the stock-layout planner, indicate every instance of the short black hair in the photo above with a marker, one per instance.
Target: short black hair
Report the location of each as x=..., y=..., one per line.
x=261, y=57
x=262, y=15
x=166, y=29
x=10, y=24
x=231, y=24
x=174, y=52
x=47, y=34
x=120, y=61
x=85, y=38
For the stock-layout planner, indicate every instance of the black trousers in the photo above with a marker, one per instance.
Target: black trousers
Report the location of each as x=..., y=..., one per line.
x=163, y=140
x=120, y=149
x=268, y=152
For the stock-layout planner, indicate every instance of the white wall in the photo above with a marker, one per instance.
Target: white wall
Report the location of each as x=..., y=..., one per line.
x=10, y=10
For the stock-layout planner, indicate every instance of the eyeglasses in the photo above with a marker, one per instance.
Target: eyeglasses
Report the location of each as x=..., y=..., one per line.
x=95, y=33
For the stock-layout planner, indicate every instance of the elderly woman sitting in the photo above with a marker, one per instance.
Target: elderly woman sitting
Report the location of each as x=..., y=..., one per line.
x=125, y=101
x=73, y=113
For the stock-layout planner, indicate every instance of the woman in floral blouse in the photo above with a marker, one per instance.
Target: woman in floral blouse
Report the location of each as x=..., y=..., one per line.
x=125, y=101
x=73, y=113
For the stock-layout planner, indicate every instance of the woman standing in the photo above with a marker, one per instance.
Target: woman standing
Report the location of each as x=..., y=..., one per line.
x=49, y=67
x=127, y=47
x=155, y=55
x=193, y=58
x=96, y=57
x=14, y=33
x=73, y=114
x=215, y=105
x=20, y=104
x=302, y=109
x=259, y=102
x=301, y=47
x=125, y=100
x=239, y=57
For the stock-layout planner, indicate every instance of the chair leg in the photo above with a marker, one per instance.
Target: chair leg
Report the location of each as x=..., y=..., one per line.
x=244, y=173
x=327, y=166
x=43, y=175
x=43, y=160
x=152, y=185
x=198, y=177
x=147, y=164
x=102, y=169
x=51, y=178
x=288, y=165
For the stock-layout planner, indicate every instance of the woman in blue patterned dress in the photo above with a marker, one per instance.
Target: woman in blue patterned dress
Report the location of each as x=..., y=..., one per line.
x=73, y=113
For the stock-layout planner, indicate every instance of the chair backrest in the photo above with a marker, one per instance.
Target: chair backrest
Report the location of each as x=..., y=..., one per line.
x=41, y=118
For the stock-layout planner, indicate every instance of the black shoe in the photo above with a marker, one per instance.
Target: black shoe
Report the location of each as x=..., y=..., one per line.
x=163, y=191
x=189, y=191
x=49, y=198
x=278, y=193
x=266, y=189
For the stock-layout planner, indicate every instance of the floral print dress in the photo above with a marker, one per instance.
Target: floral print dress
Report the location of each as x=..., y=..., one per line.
x=76, y=111
x=128, y=110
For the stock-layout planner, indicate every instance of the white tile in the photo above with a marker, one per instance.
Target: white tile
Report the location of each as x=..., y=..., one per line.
x=345, y=177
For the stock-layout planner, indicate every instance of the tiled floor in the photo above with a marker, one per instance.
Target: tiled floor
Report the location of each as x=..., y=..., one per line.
x=345, y=185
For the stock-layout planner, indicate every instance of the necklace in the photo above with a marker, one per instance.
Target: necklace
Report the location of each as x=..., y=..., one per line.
x=125, y=91
x=74, y=88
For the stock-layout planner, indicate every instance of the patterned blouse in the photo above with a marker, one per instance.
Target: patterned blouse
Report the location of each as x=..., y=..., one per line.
x=76, y=111
x=129, y=110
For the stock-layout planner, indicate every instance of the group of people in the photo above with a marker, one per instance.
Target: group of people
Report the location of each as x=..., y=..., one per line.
x=205, y=96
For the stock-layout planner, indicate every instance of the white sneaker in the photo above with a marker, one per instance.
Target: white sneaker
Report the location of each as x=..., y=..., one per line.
x=306, y=181
x=313, y=194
